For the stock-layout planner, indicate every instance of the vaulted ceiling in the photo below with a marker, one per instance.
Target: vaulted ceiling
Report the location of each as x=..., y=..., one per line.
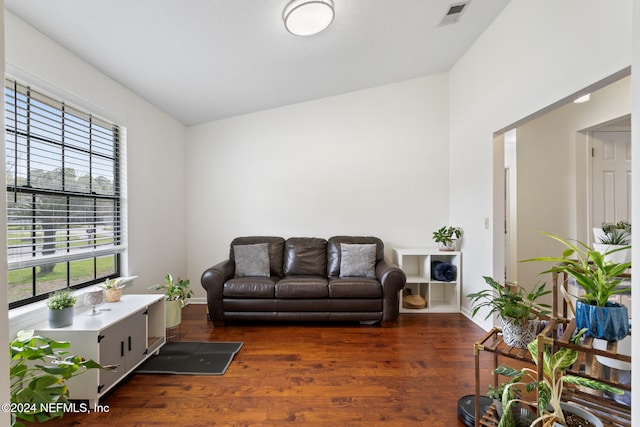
x=204, y=60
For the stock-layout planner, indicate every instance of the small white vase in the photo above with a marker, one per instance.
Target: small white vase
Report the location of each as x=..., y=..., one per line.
x=449, y=246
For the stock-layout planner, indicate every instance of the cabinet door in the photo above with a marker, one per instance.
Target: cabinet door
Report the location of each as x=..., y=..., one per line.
x=112, y=352
x=135, y=339
x=84, y=344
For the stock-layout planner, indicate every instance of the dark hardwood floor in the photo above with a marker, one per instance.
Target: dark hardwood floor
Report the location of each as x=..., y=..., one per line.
x=311, y=374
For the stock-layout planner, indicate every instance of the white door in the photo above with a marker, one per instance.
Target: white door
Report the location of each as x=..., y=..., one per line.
x=611, y=177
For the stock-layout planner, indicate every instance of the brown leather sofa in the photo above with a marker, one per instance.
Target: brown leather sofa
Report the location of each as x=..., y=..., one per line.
x=345, y=278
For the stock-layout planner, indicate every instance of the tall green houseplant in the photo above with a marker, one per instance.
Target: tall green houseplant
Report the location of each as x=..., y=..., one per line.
x=600, y=281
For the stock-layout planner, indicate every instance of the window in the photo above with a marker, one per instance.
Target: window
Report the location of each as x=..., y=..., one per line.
x=63, y=196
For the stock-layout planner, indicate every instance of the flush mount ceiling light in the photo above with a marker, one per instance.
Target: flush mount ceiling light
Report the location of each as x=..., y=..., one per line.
x=307, y=17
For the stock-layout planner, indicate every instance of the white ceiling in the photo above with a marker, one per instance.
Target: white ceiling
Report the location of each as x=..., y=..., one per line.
x=203, y=60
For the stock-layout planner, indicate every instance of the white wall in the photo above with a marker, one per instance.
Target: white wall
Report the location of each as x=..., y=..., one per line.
x=552, y=175
x=155, y=149
x=635, y=164
x=534, y=54
x=4, y=302
x=372, y=162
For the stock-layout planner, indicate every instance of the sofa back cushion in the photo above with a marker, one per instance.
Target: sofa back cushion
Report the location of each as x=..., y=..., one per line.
x=275, y=246
x=305, y=256
x=334, y=253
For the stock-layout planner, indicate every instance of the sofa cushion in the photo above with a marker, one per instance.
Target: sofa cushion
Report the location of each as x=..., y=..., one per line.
x=305, y=256
x=334, y=252
x=276, y=250
x=355, y=287
x=302, y=287
x=252, y=260
x=250, y=287
x=358, y=260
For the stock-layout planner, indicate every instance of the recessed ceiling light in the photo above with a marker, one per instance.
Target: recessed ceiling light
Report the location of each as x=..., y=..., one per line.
x=308, y=17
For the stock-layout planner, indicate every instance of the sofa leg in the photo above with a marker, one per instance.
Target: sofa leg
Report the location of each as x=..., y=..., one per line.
x=387, y=324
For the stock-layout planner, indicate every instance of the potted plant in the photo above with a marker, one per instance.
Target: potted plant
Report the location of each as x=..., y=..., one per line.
x=519, y=415
x=599, y=280
x=517, y=308
x=61, y=305
x=613, y=241
x=446, y=237
x=113, y=289
x=549, y=389
x=39, y=368
x=177, y=294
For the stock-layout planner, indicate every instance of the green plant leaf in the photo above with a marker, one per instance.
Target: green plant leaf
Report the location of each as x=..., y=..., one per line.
x=562, y=359
x=42, y=383
x=544, y=394
x=508, y=371
x=592, y=384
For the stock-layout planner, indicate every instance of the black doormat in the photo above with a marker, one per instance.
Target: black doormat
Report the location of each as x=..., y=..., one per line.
x=191, y=358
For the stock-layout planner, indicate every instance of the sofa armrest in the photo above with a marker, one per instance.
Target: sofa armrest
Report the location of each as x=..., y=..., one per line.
x=393, y=280
x=212, y=281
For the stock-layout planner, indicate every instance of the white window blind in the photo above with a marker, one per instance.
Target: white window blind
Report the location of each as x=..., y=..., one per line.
x=63, y=193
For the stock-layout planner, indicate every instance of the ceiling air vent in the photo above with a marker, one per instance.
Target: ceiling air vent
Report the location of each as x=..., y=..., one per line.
x=454, y=12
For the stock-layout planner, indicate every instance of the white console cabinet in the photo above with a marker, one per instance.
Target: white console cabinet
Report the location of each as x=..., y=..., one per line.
x=125, y=333
x=440, y=296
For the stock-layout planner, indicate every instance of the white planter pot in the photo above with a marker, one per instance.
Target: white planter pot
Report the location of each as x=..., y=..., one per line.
x=617, y=257
x=624, y=347
x=173, y=314
x=581, y=412
x=448, y=247
x=597, y=234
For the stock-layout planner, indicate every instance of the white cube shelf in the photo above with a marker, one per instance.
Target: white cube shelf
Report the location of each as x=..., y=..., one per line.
x=440, y=296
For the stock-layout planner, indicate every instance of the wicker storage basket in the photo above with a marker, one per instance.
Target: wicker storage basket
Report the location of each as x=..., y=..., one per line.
x=112, y=295
x=413, y=301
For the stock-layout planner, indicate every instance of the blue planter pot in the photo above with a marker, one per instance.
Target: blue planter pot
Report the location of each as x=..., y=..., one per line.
x=609, y=323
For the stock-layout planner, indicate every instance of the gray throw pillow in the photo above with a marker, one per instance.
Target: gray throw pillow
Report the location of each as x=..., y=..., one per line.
x=358, y=260
x=252, y=260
